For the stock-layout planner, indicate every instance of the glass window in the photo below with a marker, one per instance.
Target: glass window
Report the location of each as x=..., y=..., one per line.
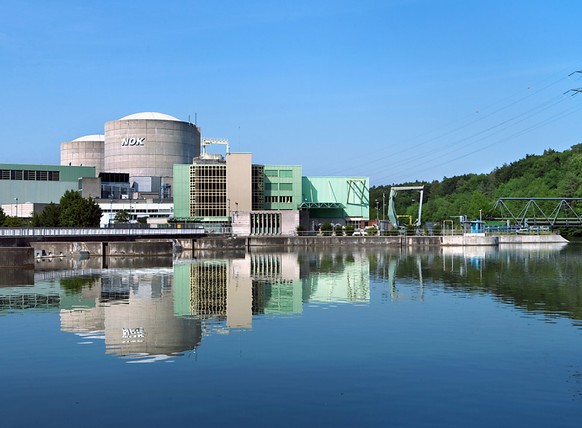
x=286, y=186
x=286, y=173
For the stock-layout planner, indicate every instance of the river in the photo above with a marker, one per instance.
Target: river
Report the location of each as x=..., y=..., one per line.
x=465, y=336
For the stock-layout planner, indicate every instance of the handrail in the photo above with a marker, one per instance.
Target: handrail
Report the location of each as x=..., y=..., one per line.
x=62, y=231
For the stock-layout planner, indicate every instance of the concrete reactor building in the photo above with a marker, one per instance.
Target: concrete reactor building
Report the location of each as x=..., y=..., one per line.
x=84, y=151
x=149, y=144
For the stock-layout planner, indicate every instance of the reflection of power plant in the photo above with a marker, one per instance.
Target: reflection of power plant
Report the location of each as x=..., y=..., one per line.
x=134, y=312
x=341, y=277
x=149, y=314
x=236, y=289
x=233, y=290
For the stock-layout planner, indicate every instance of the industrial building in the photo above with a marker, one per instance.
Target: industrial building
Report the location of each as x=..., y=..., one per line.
x=215, y=191
x=156, y=166
x=144, y=145
x=25, y=189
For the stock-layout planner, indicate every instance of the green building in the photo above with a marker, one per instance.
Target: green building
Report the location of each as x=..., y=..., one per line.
x=334, y=198
x=282, y=187
x=22, y=184
x=264, y=199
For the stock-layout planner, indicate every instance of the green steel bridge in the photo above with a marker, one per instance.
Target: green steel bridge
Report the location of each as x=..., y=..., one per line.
x=533, y=212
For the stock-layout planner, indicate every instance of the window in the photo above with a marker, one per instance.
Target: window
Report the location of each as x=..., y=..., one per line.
x=271, y=173
x=286, y=173
x=286, y=186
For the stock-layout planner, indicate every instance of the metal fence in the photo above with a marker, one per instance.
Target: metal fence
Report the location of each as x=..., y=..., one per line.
x=18, y=232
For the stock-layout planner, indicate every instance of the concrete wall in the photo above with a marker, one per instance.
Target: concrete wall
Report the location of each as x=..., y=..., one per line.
x=16, y=257
x=83, y=153
x=162, y=143
x=91, y=188
x=289, y=222
x=45, y=249
x=532, y=239
x=465, y=240
x=219, y=243
x=239, y=182
x=137, y=249
x=323, y=241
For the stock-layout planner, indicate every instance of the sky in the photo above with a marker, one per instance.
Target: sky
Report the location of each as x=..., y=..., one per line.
x=395, y=90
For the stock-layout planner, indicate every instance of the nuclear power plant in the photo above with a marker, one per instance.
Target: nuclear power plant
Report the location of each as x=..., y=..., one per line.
x=149, y=144
x=144, y=145
x=153, y=168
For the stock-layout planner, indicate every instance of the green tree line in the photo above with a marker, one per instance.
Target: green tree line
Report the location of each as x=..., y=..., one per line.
x=552, y=174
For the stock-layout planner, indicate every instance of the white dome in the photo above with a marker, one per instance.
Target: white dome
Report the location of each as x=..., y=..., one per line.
x=94, y=137
x=151, y=115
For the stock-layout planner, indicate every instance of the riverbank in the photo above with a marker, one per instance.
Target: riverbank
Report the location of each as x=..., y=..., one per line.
x=222, y=243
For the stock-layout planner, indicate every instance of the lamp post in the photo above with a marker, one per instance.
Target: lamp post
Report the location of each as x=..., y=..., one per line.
x=16, y=199
x=110, y=208
x=377, y=218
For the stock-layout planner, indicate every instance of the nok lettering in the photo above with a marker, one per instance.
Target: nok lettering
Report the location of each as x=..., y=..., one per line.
x=133, y=141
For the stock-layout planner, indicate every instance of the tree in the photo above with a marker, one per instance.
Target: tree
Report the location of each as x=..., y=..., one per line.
x=2, y=217
x=12, y=222
x=49, y=217
x=121, y=216
x=77, y=211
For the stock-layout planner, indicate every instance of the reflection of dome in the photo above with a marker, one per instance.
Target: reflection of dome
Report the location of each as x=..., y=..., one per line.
x=94, y=137
x=151, y=115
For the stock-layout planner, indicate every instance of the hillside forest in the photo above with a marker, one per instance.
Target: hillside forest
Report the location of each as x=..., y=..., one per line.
x=552, y=174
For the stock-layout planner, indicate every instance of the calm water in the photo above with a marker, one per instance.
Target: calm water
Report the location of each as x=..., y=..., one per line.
x=459, y=337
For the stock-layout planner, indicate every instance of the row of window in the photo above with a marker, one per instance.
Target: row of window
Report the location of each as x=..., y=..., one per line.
x=283, y=173
x=19, y=174
x=279, y=186
x=281, y=199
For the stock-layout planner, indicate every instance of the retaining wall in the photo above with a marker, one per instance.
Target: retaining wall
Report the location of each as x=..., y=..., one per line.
x=532, y=239
x=14, y=257
x=138, y=248
x=468, y=240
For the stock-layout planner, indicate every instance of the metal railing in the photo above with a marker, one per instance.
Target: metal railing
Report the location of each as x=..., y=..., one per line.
x=18, y=232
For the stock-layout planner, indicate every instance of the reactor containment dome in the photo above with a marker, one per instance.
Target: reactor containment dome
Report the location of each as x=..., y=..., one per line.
x=148, y=144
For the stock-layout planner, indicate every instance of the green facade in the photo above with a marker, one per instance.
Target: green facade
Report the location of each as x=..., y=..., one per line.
x=181, y=191
x=286, y=189
x=39, y=183
x=282, y=187
x=336, y=197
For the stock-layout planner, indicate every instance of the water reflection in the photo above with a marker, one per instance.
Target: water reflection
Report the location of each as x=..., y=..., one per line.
x=133, y=312
x=157, y=313
x=234, y=289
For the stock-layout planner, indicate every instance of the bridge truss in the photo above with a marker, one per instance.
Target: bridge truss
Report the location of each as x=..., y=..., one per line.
x=528, y=212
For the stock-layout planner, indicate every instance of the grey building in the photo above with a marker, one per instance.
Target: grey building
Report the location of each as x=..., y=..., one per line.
x=149, y=144
x=84, y=151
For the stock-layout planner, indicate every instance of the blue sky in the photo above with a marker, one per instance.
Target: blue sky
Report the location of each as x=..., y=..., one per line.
x=397, y=90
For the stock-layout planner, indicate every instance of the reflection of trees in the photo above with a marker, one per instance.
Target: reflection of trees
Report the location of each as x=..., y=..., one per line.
x=538, y=281
x=75, y=285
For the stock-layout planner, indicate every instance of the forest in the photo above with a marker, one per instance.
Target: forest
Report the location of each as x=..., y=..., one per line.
x=552, y=174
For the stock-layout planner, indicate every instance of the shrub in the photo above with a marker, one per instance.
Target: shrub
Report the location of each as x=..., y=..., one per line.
x=349, y=230
x=372, y=231
x=326, y=229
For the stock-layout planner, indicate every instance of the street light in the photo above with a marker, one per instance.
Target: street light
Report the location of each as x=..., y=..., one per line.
x=16, y=199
